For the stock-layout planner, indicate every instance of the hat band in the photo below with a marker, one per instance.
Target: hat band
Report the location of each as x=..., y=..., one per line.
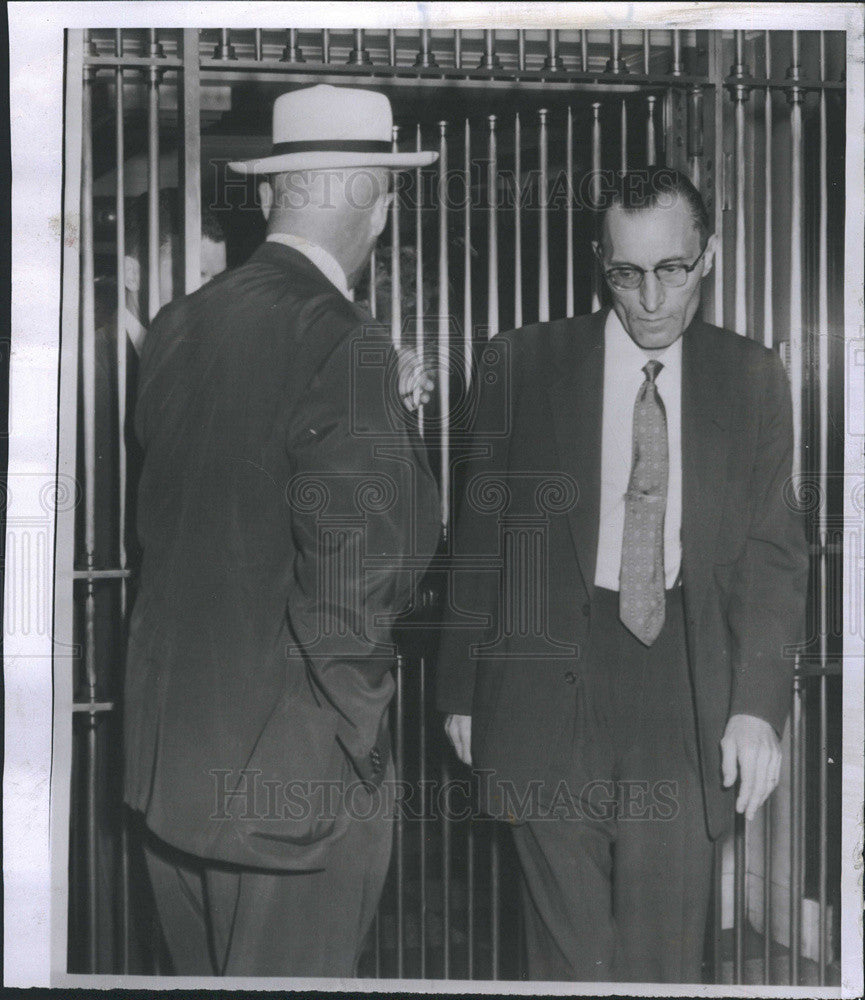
x=332, y=146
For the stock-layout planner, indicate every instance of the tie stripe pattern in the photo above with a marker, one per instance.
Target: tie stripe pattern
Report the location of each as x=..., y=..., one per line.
x=641, y=580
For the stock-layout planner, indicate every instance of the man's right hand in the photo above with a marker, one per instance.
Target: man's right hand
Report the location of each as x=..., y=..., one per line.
x=459, y=730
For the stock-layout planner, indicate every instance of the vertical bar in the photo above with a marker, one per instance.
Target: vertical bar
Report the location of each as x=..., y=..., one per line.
x=418, y=277
x=553, y=62
x=446, y=875
x=422, y=929
x=584, y=50
x=676, y=66
x=191, y=160
x=325, y=45
x=768, y=278
x=823, y=375
x=257, y=41
x=795, y=97
x=543, y=229
x=739, y=900
x=444, y=330
x=623, y=142
x=740, y=95
x=458, y=48
x=154, y=293
x=651, y=144
x=767, y=890
x=88, y=381
x=291, y=53
x=518, y=226
x=391, y=47
x=521, y=50
x=467, y=263
x=120, y=215
x=695, y=133
x=795, y=833
x=470, y=895
x=224, y=50
x=372, y=285
x=647, y=52
x=615, y=63
x=596, y=190
x=717, y=913
x=715, y=73
x=490, y=60
x=495, y=901
x=399, y=831
x=395, y=268
x=492, y=234
x=359, y=56
x=569, y=217
x=424, y=57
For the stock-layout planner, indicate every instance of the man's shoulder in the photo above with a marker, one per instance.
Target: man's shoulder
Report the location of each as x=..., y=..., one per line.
x=745, y=354
x=546, y=343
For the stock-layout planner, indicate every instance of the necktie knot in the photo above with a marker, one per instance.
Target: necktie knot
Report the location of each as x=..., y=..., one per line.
x=651, y=369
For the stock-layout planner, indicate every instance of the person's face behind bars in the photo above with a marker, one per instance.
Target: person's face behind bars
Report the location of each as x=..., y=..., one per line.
x=655, y=314
x=172, y=265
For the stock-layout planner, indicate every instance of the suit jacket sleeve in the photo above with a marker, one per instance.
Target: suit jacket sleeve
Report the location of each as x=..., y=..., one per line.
x=767, y=607
x=347, y=502
x=472, y=601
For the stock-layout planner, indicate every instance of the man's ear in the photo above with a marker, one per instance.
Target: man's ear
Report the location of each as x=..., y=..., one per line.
x=132, y=275
x=380, y=211
x=265, y=195
x=709, y=255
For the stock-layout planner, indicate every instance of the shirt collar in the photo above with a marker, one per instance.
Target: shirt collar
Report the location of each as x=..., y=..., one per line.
x=626, y=353
x=321, y=258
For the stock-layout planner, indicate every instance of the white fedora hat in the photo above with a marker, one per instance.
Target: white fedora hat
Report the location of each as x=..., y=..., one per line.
x=323, y=127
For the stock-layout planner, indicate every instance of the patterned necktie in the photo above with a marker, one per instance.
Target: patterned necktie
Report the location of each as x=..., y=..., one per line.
x=641, y=581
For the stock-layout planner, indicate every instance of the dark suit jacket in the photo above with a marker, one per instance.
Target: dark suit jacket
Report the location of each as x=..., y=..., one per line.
x=744, y=560
x=278, y=463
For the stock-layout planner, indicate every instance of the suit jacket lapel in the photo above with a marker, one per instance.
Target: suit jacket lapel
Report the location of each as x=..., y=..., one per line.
x=576, y=404
x=705, y=443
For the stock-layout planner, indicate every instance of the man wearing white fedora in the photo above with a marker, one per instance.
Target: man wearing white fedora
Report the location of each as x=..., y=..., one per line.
x=282, y=496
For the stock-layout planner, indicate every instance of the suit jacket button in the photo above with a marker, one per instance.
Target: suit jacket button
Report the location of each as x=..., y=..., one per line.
x=586, y=609
x=570, y=677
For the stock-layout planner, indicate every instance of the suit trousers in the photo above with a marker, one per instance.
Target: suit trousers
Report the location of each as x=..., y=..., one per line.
x=225, y=920
x=617, y=889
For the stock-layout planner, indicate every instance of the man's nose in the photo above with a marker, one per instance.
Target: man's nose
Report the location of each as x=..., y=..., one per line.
x=651, y=292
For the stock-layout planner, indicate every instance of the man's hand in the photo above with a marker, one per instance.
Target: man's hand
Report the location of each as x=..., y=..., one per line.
x=459, y=730
x=750, y=748
x=414, y=381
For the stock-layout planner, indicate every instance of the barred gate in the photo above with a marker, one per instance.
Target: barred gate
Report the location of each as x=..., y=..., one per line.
x=493, y=236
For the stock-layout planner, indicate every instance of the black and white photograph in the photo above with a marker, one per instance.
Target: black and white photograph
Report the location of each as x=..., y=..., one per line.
x=434, y=514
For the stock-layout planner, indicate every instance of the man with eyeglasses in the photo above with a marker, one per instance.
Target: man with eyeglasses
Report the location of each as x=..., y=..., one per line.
x=618, y=727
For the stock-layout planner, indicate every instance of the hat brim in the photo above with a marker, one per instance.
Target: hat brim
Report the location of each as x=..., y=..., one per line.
x=322, y=160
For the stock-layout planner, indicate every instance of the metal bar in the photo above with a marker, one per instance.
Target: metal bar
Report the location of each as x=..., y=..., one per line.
x=739, y=899
x=676, y=65
x=596, y=191
x=615, y=64
x=521, y=50
x=717, y=913
x=695, y=134
x=458, y=48
x=124, y=897
x=768, y=280
x=292, y=53
x=153, y=290
x=647, y=51
x=623, y=141
x=716, y=70
x=740, y=95
x=553, y=62
x=359, y=56
x=418, y=277
x=584, y=50
x=325, y=45
x=422, y=766
x=191, y=161
x=424, y=57
x=492, y=233
x=101, y=574
x=495, y=902
x=470, y=897
x=767, y=890
x=569, y=217
x=795, y=833
x=446, y=876
x=489, y=60
x=543, y=227
x=467, y=263
x=257, y=43
x=823, y=376
x=444, y=329
x=651, y=144
x=391, y=46
x=399, y=825
x=518, y=226
x=224, y=50
x=373, y=297
x=795, y=97
x=395, y=269
x=88, y=374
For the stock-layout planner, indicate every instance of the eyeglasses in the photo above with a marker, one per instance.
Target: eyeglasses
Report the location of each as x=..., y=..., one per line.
x=629, y=276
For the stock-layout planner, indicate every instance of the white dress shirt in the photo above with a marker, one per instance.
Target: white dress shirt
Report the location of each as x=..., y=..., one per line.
x=623, y=376
x=323, y=260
